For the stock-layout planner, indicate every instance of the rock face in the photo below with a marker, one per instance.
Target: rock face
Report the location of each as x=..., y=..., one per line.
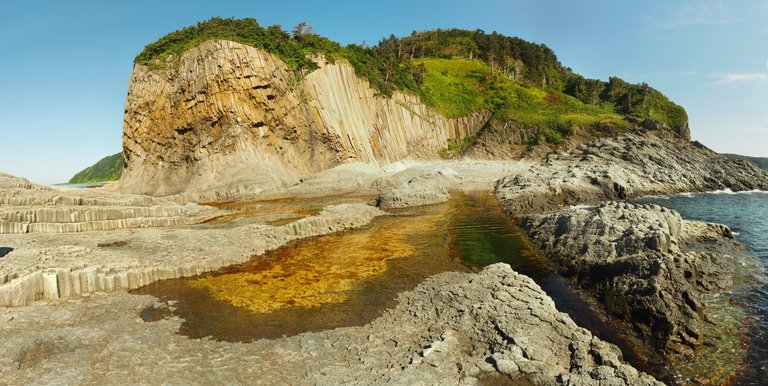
x=502, y=140
x=32, y=208
x=632, y=259
x=452, y=329
x=624, y=167
x=235, y=118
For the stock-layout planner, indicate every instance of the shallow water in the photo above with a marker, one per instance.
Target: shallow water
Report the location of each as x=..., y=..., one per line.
x=350, y=278
x=747, y=216
x=83, y=185
x=276, y=212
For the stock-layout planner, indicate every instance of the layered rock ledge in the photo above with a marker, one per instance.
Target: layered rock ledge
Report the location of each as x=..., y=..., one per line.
x=31, y=208
x=623, y=167
x=452, y=329
x=52, y=266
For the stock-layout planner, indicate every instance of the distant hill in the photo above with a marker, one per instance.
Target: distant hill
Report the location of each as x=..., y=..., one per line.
x=760, y=162
x=107, y=169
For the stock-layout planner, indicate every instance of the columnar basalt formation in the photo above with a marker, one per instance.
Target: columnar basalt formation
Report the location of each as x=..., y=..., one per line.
x=53, y=266
x=455, y=328
x=235, y=118
x=30, y=208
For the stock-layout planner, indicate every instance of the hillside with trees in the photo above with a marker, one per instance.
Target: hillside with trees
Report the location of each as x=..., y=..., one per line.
x=454, y=71
x=107, y=169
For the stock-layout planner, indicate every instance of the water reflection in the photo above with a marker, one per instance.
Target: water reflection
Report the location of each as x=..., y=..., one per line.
x=350, y=278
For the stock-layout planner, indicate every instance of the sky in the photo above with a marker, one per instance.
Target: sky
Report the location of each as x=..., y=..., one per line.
x=65, y=65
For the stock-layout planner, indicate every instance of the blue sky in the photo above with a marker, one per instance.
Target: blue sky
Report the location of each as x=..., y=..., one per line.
x=65, y=65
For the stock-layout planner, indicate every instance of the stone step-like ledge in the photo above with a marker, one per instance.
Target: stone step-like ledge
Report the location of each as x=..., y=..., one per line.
x=62, y=282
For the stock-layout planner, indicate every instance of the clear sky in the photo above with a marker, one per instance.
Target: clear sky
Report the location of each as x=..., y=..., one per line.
x=64, y=65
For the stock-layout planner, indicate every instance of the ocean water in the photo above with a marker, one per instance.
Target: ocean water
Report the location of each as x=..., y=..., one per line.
x=746, y=213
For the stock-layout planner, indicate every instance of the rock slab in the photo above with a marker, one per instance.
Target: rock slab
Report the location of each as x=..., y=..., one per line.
x=454, y=328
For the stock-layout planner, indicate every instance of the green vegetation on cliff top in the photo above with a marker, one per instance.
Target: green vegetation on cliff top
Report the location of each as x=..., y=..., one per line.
x=107, y=169
x=454, y=71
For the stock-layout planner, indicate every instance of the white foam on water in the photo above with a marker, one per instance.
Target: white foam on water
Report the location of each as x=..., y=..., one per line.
x=657, y=197
x=729, y=191
x=581, y=207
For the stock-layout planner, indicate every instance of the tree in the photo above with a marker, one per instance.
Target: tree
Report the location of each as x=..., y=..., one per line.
x=302, y=29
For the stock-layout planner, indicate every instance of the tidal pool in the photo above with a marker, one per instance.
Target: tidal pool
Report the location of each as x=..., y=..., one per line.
x=350, y=278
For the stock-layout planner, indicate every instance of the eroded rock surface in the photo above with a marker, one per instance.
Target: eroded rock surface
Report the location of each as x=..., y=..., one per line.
x=232, y=119
x=624, y=167
x=633, y=260
x=452, y=329
x=414, y=187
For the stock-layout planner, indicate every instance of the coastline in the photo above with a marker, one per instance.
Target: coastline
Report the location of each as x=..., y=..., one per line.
x=423, y=184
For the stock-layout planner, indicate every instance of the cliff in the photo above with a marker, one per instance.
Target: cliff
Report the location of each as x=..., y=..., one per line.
x=234, y=118
x=761, y=162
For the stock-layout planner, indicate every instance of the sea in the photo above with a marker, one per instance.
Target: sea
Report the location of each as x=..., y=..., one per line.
x=746, y=213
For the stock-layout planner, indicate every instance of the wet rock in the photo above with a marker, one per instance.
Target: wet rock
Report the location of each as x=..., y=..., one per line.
x=632, y=259
x=53, y=266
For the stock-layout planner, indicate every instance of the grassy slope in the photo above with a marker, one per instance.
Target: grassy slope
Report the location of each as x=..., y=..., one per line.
x=456, y=87
x=107, y=169
x=760, y=162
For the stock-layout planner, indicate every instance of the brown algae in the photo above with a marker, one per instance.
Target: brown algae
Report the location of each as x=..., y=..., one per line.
x=315, y=273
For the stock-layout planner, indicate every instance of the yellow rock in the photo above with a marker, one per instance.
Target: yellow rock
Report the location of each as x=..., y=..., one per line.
x=233, y=118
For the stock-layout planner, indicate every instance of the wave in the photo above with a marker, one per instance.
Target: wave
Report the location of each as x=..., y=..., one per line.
x=729, y=191
x=656, y=197
x=582, y=207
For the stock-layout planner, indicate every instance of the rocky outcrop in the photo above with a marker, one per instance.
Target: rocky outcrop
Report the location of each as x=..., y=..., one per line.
x=454, y=328
x=633, y=260
x=235, y=118
x=502, y=140
x=415, y=187
x=69, y=266
x=32, y=208
x=627, y=166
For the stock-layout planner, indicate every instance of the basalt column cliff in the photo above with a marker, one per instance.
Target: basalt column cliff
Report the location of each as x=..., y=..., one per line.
x=235, y=119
